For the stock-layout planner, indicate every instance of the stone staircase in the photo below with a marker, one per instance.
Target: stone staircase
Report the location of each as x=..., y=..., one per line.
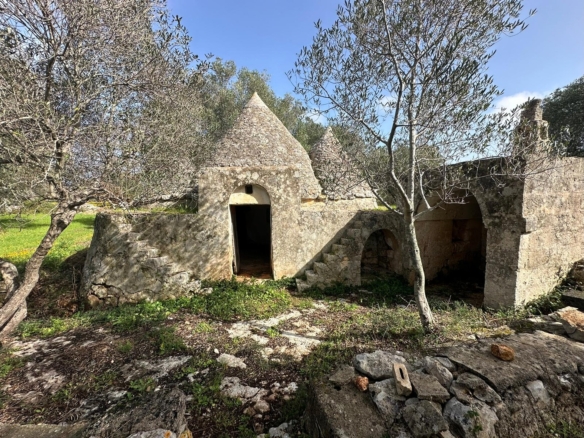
x=339, y=263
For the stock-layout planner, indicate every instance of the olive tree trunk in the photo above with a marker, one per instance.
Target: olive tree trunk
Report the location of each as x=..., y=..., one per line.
x=14, y=309
x=413, y=252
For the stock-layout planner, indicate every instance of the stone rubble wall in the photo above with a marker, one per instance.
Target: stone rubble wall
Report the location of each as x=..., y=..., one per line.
x=463, y=391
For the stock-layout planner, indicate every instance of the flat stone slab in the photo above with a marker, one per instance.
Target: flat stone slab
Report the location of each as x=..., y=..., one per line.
x=42, y=430
x=537, y=356
x=574, y=298
x=428, y=387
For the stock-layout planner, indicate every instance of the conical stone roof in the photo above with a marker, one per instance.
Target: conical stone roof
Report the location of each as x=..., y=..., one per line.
x=258, y=139
x=335, y=171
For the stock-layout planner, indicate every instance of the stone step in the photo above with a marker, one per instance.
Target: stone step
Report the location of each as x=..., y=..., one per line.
x=321, y=268
x=301, y=285
x=347, y=242
x=339, y=250
x=574, y=298
x=353, y=233
x=312, y=277
x=330, y=258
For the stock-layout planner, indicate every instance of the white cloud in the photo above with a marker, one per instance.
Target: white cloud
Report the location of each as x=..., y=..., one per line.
x=510, y=102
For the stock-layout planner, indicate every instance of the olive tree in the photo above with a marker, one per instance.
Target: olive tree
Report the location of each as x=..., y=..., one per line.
x=85, y=93
x=564, y=110
x=409, y=78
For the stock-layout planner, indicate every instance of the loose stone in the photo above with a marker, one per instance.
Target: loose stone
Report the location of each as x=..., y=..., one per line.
x=503, y=352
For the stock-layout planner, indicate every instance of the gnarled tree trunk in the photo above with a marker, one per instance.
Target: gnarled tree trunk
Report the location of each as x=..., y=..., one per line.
x=14, y=309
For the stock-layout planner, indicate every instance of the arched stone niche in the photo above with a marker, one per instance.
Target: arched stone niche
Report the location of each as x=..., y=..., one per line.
x=249, y=194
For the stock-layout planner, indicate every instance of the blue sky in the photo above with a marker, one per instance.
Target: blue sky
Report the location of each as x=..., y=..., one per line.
x=268, y=34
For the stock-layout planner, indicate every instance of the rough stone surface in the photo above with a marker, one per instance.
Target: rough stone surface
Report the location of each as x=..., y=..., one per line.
x=335, y=171
x=561, y=356
x=344, y=374
x=475, y=421
x=573, y=321
x=428, y=387
x=436, y=369
x=259, y=139
x=231, y=361
x=403, y=385
x=232, y=387
x=42, y=430
x=160, y=410
x=387, y=400
x=423, y=419
x=469, y=387
x=539, y=392
x=377, y=365
x=341, y=413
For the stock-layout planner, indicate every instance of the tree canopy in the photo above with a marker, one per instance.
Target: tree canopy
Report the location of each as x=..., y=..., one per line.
x=564, y=110
x=409, y=79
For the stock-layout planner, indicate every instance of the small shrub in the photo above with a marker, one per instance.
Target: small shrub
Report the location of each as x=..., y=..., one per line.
x=145, y=384
x=168, y=341
x=125, y=347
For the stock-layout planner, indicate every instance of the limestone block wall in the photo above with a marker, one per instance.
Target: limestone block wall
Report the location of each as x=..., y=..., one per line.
x=216, y=185
x=141, y=257
x=451, y=237
x=554, y=209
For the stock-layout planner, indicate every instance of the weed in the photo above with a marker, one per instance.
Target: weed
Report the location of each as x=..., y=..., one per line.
x=125, y=347
x=566, y=429
x=143, y=385
x=8, y=362
x=204, y=327
x=272, y=332
x=64, y=394
x=168, y=341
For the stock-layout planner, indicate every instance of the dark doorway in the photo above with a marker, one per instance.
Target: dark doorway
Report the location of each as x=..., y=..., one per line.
x=252, y=240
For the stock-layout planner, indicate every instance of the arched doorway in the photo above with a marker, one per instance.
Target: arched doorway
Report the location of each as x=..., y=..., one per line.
x=381, y=256
x=251, y=230
x=453, y=246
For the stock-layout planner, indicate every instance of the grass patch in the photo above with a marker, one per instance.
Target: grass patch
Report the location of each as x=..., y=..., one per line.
x=8, y=362
x=20, y=236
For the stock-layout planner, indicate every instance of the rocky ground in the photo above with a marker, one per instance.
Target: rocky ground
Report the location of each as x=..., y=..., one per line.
x=243, y=370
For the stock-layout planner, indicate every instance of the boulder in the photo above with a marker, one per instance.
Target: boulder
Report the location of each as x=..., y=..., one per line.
x=424, y=419
x=474, y=421
x=387, y=400
x=377, y=365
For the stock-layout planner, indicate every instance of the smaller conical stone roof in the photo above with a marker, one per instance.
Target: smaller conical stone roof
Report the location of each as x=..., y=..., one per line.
x=258, y=138
x=335, y=171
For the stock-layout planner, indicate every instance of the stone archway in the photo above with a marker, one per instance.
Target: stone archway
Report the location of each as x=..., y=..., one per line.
x=251, y=231
x=381, y=255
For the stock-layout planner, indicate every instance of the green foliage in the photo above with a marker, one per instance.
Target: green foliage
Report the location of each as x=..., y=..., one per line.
x=20, y=236
x=45, y=328
x=146, y=384
x=226, y=90
x=125, y=347
x=233, y=300
x=564, y=110
x=167, y=341
x=8, y=362
x=565, y=429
